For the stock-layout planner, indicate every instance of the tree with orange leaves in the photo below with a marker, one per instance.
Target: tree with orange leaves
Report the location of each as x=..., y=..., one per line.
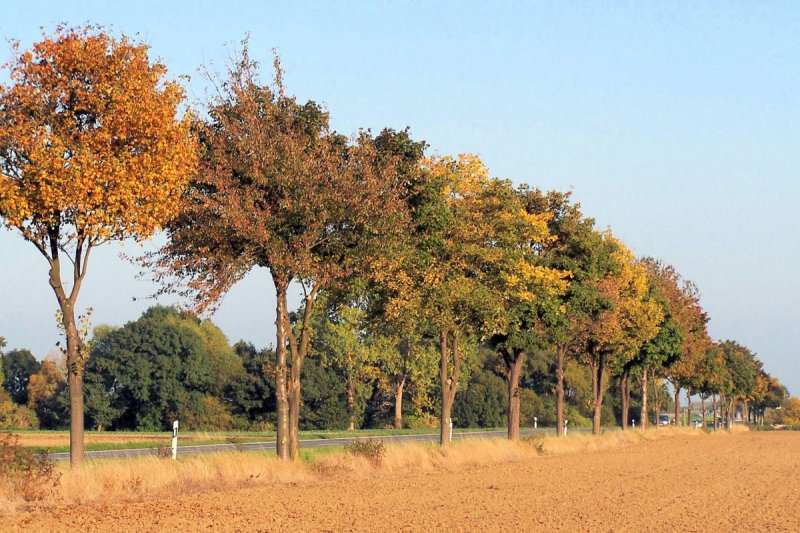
x=277, y=188
x=91, y=151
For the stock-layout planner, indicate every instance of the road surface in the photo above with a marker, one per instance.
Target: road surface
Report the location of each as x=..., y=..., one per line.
x=308, y=443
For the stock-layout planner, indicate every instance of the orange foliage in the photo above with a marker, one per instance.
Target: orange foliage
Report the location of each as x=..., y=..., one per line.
x=88, y=137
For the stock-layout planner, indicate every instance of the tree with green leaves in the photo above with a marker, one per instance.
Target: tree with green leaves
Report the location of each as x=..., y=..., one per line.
x=526, y=290
x=16, y=368
x=342, y=343
x=162, y=367
x=575, y=247
x=742, y=375
x=251, y=394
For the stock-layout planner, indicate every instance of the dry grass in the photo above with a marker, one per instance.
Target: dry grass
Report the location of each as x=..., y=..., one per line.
x=149, y=478
x=583, y=443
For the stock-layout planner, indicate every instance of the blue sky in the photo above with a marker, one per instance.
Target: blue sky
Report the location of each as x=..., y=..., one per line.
x=677, y=125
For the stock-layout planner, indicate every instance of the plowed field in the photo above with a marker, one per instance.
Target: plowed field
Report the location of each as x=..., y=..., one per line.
x=738, y=482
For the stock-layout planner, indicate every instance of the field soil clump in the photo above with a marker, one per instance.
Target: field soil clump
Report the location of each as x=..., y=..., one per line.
x=684, y=482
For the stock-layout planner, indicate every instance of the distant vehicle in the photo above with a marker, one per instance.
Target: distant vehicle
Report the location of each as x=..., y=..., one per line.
x=697, y=423
x=663, y=420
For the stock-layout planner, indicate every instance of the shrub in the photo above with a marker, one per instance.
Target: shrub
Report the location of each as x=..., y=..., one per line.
x=14, y=416
x=31, y=475
x=372, y=450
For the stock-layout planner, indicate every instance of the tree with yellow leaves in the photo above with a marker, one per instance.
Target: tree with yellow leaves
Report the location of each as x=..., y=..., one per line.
x=469, y=258
x=627, y=319
x=91, y=151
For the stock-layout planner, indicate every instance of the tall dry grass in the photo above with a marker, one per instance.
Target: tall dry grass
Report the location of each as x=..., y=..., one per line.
x=152, y=478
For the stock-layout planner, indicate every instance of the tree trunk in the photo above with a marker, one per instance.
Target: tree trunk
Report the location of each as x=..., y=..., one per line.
x=513, y=371
x=677, y=405
x=656, y=398
x=399, y=385
x=281, y=390
x=643, y=416
x=688, y=407
x=351, y=406
x=295, y=400
x=714, y=410
x=703, y=408
x=598, y=368
x=560, y=391
x=75, y=386
x=449, y=384
x=746, y=411
x=625, y=397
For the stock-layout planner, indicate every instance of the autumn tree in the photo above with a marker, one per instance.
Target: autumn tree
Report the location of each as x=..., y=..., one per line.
x=665, y=347
x=574, y=247
x=404, y=356
x=276, y=188
x=628, y=318
x=17, y=366
x=772, y=394
x=684, y=305
x=472, y=244
x=742, y=373
x=47, y=391
x=524, y=289
x=91, y=151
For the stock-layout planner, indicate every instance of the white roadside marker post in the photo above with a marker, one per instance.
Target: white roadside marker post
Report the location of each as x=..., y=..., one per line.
x=451, y=430
x=565, y=427
x=633, y=423
x=175, y=440
x=535, y=422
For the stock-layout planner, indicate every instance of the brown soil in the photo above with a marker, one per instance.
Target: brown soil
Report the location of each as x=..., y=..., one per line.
x=738, y=482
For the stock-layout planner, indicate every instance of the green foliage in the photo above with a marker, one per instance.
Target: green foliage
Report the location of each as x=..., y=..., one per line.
x=17, y=368
x=161, y=367
x=372, y=450
x=31, y=474
x=324, y=398
x=205, y=414
x=251, y=394
x=482, y=403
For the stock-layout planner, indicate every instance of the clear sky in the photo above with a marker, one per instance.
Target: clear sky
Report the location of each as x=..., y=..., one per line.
x=675, y=124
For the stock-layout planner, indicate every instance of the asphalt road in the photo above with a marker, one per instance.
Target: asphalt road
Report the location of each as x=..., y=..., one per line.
x=308, y=443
